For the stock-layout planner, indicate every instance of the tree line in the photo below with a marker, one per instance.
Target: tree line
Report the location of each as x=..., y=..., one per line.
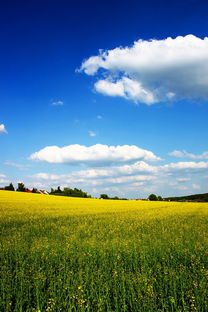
x=190, y=198
x=67, y=191
x=105, y=196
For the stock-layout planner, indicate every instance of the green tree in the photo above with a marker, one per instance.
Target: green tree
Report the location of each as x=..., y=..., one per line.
x=104, y=196
x=9, y=187
x=152, y=197
x=59, y=190
x=159, y=198
x=67, y=191
x=115, y=197
x=21, y=187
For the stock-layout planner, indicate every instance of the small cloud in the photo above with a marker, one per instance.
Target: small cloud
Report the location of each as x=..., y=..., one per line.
x=99, y=117
x=2, y=179
x=57, y=103
x=92, y=133
x=196, y=186
x=183, y=179
x=3, y=129
x=15, y=165
x=184, y=154
x=181, y=187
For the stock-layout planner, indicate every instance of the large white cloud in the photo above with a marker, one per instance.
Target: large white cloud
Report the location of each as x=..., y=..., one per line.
x=155, y=70
x=2, y=129
x=96, y=154
x=185, y=154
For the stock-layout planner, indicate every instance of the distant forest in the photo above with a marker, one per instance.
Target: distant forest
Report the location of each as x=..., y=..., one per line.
x=190, y=198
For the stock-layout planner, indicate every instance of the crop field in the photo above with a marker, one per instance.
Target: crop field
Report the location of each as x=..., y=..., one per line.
x=72, y=254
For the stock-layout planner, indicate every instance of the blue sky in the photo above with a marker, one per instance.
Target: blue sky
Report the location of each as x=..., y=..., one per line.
x=125, y=107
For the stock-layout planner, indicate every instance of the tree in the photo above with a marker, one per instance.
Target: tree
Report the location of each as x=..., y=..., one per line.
x=21, y=187
x=67, y=191
x=159, y=198
x=104, y=196
x=152, y=197
x=115, y=197
x=34, y=190
x=59, y=190
x=9, y=187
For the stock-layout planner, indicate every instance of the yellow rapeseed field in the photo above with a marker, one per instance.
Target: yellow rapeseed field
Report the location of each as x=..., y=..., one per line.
x=72, y=254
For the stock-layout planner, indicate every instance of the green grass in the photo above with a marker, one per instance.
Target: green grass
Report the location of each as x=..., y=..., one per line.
x=69, y=254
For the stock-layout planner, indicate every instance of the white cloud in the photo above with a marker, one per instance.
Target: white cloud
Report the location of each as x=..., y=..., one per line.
x=92, y=133
x=171, y=179
x=114, y=171
x=2, y=179
x=188, y=166
x=15, y=165
x=129, y=179
x=196, y=186
x=2, y=129
x=181, y=187
x=155, y=70
x=96, y=154
x=127, y=88
x=185, y=154
x=183, y=179
x=57, y=103
x=139, y=171
x=99, y=117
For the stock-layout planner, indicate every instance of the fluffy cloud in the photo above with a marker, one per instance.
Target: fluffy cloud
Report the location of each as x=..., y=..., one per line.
x=185, y=154
x=115, y=171
x=75, y=179
x=127, y=88
x=132, y=178
x=137, y=171
x=96, y=154
x=153, y=71
x=189, y=166
x=2, y=129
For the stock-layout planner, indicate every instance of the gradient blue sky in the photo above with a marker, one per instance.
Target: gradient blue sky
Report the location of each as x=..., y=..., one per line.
x=45, y=101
